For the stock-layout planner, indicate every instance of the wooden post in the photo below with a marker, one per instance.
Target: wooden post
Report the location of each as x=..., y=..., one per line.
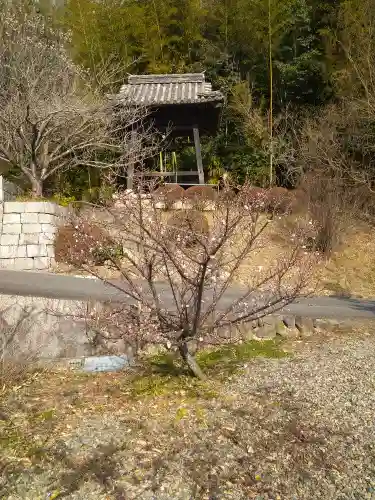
x=198, y=154
x=130, y=176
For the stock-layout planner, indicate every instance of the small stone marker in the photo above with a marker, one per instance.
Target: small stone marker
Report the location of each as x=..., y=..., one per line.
x=105, y=363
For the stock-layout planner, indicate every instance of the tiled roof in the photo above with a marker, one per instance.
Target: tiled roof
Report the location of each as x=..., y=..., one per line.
x=168, y=89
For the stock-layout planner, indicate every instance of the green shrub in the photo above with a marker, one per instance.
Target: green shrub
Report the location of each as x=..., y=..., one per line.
x=62, y=200
x=103, y=253
x=99, y=195
x=106, y=192
x=59, y=199
x=29, y=197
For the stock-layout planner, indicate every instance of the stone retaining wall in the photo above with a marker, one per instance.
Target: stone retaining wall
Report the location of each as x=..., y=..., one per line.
x=27, y=233
x=8, y=190
x=44, y=328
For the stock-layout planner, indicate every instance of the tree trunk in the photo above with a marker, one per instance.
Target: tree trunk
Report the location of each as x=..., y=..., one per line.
x=37, y=188
x=191, y=362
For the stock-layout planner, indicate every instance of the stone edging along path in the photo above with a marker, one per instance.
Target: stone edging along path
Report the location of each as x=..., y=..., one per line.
x=271, y=327
x=267, y=328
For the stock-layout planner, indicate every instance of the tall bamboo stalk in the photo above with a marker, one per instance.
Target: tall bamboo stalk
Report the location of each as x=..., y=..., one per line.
x=270, y=63
x=159, y=30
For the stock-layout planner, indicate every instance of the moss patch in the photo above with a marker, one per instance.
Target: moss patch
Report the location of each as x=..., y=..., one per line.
x=165, y=374
x=155, y=384
x=228, y=358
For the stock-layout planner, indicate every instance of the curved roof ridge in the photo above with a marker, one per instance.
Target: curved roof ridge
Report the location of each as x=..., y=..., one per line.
x=177, y=88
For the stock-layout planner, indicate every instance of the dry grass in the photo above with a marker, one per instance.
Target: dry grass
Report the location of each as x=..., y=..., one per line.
x=37, y=419
x=117, y=436
x=351, y=269
x=348, y=272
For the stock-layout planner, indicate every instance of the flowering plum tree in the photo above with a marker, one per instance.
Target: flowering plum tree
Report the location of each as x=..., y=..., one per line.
x=188, y=282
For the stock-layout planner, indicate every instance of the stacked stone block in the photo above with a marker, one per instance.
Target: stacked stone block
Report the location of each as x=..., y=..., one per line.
x=8, y=190
x=27, y=234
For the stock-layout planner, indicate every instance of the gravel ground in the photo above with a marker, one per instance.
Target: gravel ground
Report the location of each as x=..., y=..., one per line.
x=301, y=427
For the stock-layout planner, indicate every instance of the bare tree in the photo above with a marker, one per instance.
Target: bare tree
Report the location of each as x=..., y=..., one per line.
x=341, y=136
x=331, y=161
x=181, y=271
x=51, y=117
